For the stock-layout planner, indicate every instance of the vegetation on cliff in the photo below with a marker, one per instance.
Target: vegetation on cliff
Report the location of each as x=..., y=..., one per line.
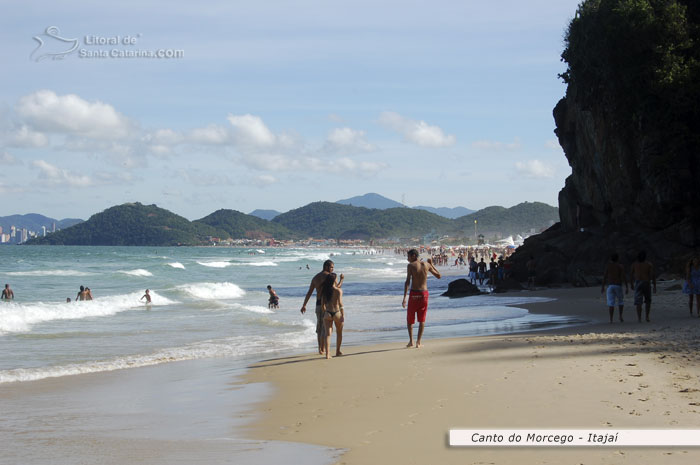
x=640, y=60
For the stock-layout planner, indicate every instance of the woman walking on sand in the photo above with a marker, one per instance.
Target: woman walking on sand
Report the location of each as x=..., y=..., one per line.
x=692, y=284
x=333, y=312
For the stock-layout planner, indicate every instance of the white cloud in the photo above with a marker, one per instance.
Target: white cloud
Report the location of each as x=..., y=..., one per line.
x=279, y=162
x=490, y=145
x=70, y=114
x=210, y=135
x=265, y=180
x=552, y=144
x=26, y=137
x=250, y=131
x=535, y=169
x=59, y=177
x=347, y=140
x=7, y=158
x=418, y=132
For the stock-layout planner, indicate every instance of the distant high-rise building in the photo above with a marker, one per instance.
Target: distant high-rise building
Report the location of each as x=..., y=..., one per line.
x=53, y=227
x=0, y=231
x=25, y=235
x=43, y=231
x=13, y=232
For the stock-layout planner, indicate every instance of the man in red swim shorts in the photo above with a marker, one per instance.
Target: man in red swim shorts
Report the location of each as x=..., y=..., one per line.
x=417, y=279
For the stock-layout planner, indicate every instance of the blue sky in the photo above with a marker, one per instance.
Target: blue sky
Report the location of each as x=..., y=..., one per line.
x=276, y=104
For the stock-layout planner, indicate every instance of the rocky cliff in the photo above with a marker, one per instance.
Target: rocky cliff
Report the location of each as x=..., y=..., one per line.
x=630, y=129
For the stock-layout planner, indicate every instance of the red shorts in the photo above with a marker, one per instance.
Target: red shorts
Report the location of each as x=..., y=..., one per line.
x=417, y=304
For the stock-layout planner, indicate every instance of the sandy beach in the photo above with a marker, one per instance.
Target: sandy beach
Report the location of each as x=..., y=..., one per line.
x=389, y=404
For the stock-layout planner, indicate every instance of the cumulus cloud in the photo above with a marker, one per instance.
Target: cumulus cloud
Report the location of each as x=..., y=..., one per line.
x=250, y=131
x=535, y=169
x=55, y=176
x=552, y=144
x=417, y=132
x=70, y=114
x=7, y=158
x=26, y=137
x=490, y=145
x=265, y=180
x=210, y=135
x=347, y=140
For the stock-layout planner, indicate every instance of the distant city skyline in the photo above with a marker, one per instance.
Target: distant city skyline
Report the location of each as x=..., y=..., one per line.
x=274, y=105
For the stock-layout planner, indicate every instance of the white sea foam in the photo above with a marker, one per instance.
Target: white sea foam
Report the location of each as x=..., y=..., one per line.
x=254, y=308
x=231, y=347
x=212, y=291
x=18, y=317
x=49, y=273
x=215, y=264
x=138, y=272
x=260, y=251
x=177, y=265
x=263, y=263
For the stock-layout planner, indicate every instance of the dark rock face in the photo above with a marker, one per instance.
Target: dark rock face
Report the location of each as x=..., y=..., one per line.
x=508, y=284
x=461, y=288
x=619, y=198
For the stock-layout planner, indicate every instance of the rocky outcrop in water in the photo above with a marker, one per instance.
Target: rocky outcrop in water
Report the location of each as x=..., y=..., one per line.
x=461, y=288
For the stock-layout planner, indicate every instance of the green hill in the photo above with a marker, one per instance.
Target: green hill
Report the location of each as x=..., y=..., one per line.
x=132, y=224
x=239, y=225
x=336, y=221
x=507, y=221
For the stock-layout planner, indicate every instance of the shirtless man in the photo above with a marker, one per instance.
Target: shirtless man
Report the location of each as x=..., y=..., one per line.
x=417, y=279
x=614, y=276
x=147, y=296
x=642, y=275
x=316, y=284
x=274, y=300
x=81, y=294
x=7, y=293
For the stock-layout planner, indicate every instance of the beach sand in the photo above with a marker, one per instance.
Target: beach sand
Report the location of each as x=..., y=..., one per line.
x=389, y=404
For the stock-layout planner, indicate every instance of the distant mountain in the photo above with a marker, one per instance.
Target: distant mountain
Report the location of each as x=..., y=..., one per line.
x=265, y=214
x=34, y=222
x=371, y=200
x=337, y=221
x=239, y=225
x=447, y=212
x=380, y=202
x=132, y=224
x=514, y=220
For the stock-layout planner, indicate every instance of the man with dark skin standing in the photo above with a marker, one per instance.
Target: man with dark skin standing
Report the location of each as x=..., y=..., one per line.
x=417, y=279
x=316, y=284
x=7, y=293
x=614, y=276
x=642, y=275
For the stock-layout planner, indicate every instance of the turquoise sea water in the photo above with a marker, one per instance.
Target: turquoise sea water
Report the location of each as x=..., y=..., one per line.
x=208, y=303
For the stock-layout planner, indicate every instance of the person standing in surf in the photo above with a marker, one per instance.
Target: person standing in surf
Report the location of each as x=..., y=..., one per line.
x=316, y=285
x=417, y=278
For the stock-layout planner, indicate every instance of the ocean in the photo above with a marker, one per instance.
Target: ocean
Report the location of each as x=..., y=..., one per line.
x=161, y=382
x=210, y=303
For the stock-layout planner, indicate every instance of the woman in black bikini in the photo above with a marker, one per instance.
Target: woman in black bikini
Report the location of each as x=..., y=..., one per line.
x=333, y=312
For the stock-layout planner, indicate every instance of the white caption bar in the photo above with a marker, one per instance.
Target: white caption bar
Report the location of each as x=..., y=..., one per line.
x=574, y=437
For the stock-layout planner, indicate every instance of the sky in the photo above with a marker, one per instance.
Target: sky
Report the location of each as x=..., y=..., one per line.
x=197, y=106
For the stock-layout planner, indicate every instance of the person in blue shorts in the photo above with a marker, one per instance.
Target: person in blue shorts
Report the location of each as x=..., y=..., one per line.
x=692, y=284
x=614, y=277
